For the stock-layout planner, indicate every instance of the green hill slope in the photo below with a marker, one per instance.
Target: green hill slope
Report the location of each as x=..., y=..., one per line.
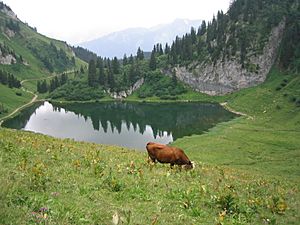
x=29, y=55
x=247, y=172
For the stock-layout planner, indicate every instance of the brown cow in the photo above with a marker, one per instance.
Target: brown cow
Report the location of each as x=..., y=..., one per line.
x=166, y=154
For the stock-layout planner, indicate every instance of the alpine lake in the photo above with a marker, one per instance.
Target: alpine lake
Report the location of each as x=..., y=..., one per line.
x=126, y=124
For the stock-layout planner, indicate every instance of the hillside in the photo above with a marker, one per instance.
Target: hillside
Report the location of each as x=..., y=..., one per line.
x=246, y=172
x=26, y=54
x=233, y=51
x=236, y=49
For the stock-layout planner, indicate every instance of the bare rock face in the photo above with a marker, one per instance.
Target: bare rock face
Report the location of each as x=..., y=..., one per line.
x=7, y=59
x=9, y=12
x=10, y=33
x=125, y=94
x=229, y=76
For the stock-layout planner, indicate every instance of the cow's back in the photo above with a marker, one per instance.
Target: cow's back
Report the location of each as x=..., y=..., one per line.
x=166, y=154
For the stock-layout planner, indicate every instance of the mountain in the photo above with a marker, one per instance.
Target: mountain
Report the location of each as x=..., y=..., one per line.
x=237, y=49
x=128, y=41
x=26, y=54
x=23, y=49
x=233, y=51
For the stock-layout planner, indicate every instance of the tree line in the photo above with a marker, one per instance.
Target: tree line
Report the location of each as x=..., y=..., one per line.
x=115, y=74
x=235, y=35
x=53, y=58
x=9, y=79
x=57, y=81
x=243, y=31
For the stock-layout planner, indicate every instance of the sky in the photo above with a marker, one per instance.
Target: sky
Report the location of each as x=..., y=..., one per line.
x=76, y=21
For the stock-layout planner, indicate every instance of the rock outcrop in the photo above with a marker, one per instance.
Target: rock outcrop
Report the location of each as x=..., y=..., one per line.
x=7, y=10
x=229, y=76
x=125, y=94
x=9, y=33
x=7, y=59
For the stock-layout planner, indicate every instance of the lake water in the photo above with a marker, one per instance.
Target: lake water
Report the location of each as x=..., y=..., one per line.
x=120, y=123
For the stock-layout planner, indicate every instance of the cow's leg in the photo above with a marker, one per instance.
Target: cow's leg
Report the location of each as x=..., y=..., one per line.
x=171, y=165
x=150, y=159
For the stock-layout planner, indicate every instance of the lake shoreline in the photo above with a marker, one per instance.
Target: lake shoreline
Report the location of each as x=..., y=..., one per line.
x=127, y=124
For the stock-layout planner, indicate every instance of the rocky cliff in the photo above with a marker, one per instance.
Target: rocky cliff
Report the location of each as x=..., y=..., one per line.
x=7, y=59
x=229, y=76
x=125, y=94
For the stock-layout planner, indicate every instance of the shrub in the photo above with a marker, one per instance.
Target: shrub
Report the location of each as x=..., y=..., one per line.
x=77, y=91
x=292, y=99
x=162, y=86
x=3, y=109
x=283, y=84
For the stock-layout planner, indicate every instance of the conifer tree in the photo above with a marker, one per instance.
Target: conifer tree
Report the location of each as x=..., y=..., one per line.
x=52, y=86
x=92, y=73
x=140, y=54
x=193, y=35
x=167, y=49
x=152, y=63
x=101, y=77
x=203, y=28
x=131, y=59
x=115, y=66
x=160, y=50
x=63, y=79
x=111, y=79
x=44, y=86
x=38, y=87
x=125, y=60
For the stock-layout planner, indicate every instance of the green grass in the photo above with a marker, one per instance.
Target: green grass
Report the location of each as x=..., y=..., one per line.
x=53, y=181
x=34, y=68
x=247, y=172
x=267, y=141
x=11, y=100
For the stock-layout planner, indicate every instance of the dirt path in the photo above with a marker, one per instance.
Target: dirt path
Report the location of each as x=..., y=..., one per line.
x=225, y=105
x=35, y=96
x=21, y=107
x=43, y=78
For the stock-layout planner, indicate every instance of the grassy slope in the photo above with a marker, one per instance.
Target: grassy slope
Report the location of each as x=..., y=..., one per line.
x=247, y=166
x=10, y=100
x=34, y=69
x=268, y=142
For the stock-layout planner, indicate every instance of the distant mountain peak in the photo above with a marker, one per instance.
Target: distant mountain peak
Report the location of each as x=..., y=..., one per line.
x=127, y=41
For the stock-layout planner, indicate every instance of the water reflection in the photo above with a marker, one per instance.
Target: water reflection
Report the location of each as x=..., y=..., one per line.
x=121, y=123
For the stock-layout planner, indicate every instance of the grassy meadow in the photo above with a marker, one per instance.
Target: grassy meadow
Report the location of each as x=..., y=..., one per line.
x=247, y=172
x=13, y=98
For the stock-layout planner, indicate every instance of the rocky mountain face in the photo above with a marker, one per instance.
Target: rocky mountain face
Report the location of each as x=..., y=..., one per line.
x=7, y=10
x=228, y=76
x=7, y=59
x=126, y=93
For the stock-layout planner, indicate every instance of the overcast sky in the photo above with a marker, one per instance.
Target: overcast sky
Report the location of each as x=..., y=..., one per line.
x=76, y=21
